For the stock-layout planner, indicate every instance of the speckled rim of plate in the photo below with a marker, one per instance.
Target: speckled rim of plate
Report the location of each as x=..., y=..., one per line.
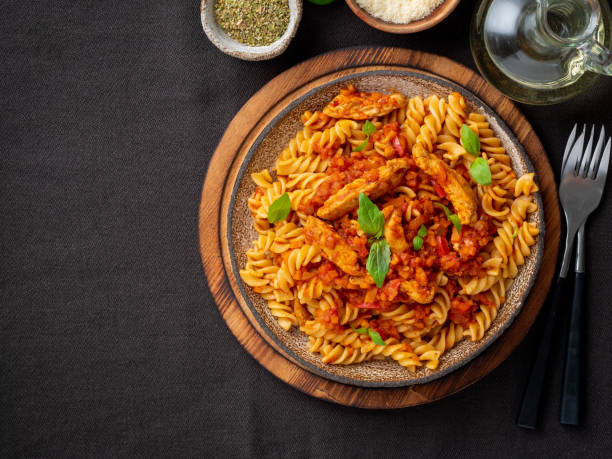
x=475, y=348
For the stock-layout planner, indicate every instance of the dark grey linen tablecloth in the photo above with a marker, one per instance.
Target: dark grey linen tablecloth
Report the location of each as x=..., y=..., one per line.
x=110, y=342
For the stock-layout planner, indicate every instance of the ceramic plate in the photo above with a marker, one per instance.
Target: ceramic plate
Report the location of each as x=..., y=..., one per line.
x=263, y=153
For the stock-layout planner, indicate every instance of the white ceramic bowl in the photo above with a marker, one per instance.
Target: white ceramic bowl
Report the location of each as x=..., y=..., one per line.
x=248, y=53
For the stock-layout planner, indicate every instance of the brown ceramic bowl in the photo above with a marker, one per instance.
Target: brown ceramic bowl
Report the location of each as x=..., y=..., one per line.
x=263, y=152
x=437, y=15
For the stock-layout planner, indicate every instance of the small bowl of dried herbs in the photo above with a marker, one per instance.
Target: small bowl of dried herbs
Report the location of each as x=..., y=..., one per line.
x=251, y=30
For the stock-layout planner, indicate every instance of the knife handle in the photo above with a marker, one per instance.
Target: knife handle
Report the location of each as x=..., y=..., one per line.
x=528, y=414
x=570, y=398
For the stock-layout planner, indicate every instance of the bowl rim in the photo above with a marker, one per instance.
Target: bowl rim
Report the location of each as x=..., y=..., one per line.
x=321, y=372
x=441, y=11
x=245, y=52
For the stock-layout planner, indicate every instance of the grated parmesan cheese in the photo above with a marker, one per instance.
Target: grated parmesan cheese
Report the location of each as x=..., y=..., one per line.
x=399, y=11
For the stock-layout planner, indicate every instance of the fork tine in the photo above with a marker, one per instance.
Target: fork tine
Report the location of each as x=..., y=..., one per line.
x=583, y=167
x=568, y=147
x=574, y=156
x=602, y=172
x=597, y=154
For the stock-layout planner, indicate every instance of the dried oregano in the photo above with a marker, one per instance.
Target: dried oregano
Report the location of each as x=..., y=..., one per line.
x=253, y=22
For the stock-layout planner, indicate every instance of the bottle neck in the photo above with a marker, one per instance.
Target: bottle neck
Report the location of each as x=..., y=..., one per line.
x=535, y=33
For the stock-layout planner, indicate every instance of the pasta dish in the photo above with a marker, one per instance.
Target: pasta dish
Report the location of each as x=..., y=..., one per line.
x=389, y=228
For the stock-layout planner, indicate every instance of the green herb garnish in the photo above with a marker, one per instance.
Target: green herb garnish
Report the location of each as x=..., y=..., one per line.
x=279, y=209
x=373, y=334
x=443, y=207
x=372, y=222
x=470, y=141
x=362, y=145
x=376, y=338
x=378, y=261
x=368, y=129
x=371, y=219
x=417, y=243
x=480, y=171
x=454, y=218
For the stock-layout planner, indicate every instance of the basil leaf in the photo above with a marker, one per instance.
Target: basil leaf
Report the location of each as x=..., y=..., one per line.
x=362, y=145
x=417, y=243
x=279, y=209
x=371, y=219
x=454, y=218
x=422, y=231
x=375, y=337
x=378, y=261
x=470, y=141
x=480, y=171
x=444, y=208
x=368, y=128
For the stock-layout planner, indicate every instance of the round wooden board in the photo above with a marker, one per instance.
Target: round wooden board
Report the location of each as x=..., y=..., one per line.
x=247, y=125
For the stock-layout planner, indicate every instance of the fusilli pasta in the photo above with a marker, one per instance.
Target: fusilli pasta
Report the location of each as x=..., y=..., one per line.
x=451, y=285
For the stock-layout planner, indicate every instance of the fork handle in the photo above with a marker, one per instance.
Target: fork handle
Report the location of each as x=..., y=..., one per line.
x=528, y=414
x=570, y=398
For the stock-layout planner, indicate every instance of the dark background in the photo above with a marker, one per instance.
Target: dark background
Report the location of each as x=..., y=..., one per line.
x=110, y=342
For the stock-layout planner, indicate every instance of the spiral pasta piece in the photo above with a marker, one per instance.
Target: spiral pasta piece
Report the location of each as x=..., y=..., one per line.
x=493, y=201
x=453, y=151
x=301, y=164
x=440, y=306
x=263, y=179
x=455, y=114
x=475, y=285
x=317, y=120
x=525, y=185
x=396, y=116
x=305, y=181
x=328, y=138
x=311, y=289
x=302, y=256
x=286, y=236
x=284, y=314
x=521, y=207
x=502, y=175
x=337, y=354
x=432, y=124
x=482, y=321
x=430, y=352
x=414, y=119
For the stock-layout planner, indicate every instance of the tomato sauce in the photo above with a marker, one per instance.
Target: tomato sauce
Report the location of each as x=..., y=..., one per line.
x=444, y=249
